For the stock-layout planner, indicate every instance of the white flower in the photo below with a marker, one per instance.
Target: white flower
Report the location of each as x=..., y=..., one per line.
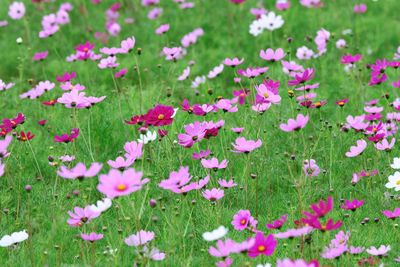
x=264, y=265
x=215, y=234
x=198, y=80
x=14, y=238
x=150, y=136
x=347, y=32
x=101, y=205
x=271, y=21
x=304, y=53
x=175, y=111
x=19, y=40
x=256, y=28
x=396, y=164
x=394, y=181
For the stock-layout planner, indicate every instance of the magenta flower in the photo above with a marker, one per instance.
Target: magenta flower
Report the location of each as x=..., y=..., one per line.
x=116, y=183
x=40, y=56
x=202, y=154
x=242, y=145
x=352, y=205
x=307, y=75
x=214, y=164
x=16, y=10
x=295, y=124
x=271, y=55
x=392, y=214
x=321, y=208
x=233, y=62
x=140, y=238
x=311, y=168
x=79, y=171
x=243, y=220
x=329, y=226
x=357, y=150
x=92, y=237
x=121, y=73
x=264, y=245
x=214, y=194
x=66, y=77
x=65, y=138
x=350, y=59
x=160, y=115
x=277, y=224
x=81, y=216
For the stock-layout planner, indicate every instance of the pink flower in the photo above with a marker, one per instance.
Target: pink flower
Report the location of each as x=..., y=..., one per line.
x=121, y=73
x=294, y=232
x=296, y=263
x=295, y=124
x=264, y=245
x=226, y=184
x=80, y=171
x=121, y=163
x=350, y=59
x=133, y=150
x=4, y=145
x=311, y=168
x=162, y=29
x=16, y=10
x=242, y=145
x=194, y=133
x=81, y=216
x=180, y=182
x=92, y=237
x=127, y=45
x=109, y=62
x=140, y=238
x=268, y=95
x=329, y=226
x=116, y=183
x=334, y=252
x=271, y=55
x=385, y=145
x=74, y=99
x=214, y=164
x=277, y=224
x=321, y=208
x=40, y=56
x=172, y=54
x=233, y=62
x=155, y=13
x=357, y=150
x=243, y=220
x=214, y=194
x=360, y=8
x=185, y=74
x=381, y=251
x=252, y=72
x=352, y=205
x=215, y=71
x=225, y=263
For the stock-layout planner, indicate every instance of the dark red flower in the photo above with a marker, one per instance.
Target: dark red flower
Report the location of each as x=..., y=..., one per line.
x=160, y=115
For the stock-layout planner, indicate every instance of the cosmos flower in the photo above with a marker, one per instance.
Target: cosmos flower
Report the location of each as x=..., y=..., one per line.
x=101, y=205
x=213, y=194
x=277, y=224
x=305, y=76
x=392, y=214
x=296, y=263
x=160, y=115
x=116, y=183
x=357, y=150
x=381, y=251
x=214, y=164
x=80, y=171
x=243, y=220
x=16, y=10
x=81, y=216
x=216, y=234
x=311, y=168
x=295, y=124
x=14, y=238
x=140, y=238
x=65, y=138
x=352, y=205
x=233, y=62
x=242, y=145
x=227, y=184
x=271, y=55
x=264, y=245
x=150, y=136
x=92, y=237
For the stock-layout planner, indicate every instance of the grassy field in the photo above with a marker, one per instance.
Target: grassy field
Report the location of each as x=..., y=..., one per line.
x=270, y=179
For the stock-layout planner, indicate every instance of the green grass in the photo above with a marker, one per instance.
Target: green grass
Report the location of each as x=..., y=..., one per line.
x=177, y=222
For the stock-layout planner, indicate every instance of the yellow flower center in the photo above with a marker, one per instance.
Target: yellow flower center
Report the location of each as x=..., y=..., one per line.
x=161, y=116
x=398, y=182
x=242, y=222
x=323, y=227
x=261, y=248
x=121, y=187
x=266, y=95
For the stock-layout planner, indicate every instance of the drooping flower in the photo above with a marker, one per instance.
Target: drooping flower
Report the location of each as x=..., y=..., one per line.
x=92, y=237
x=214, y=194
x=310, y=168
x=277, y=224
